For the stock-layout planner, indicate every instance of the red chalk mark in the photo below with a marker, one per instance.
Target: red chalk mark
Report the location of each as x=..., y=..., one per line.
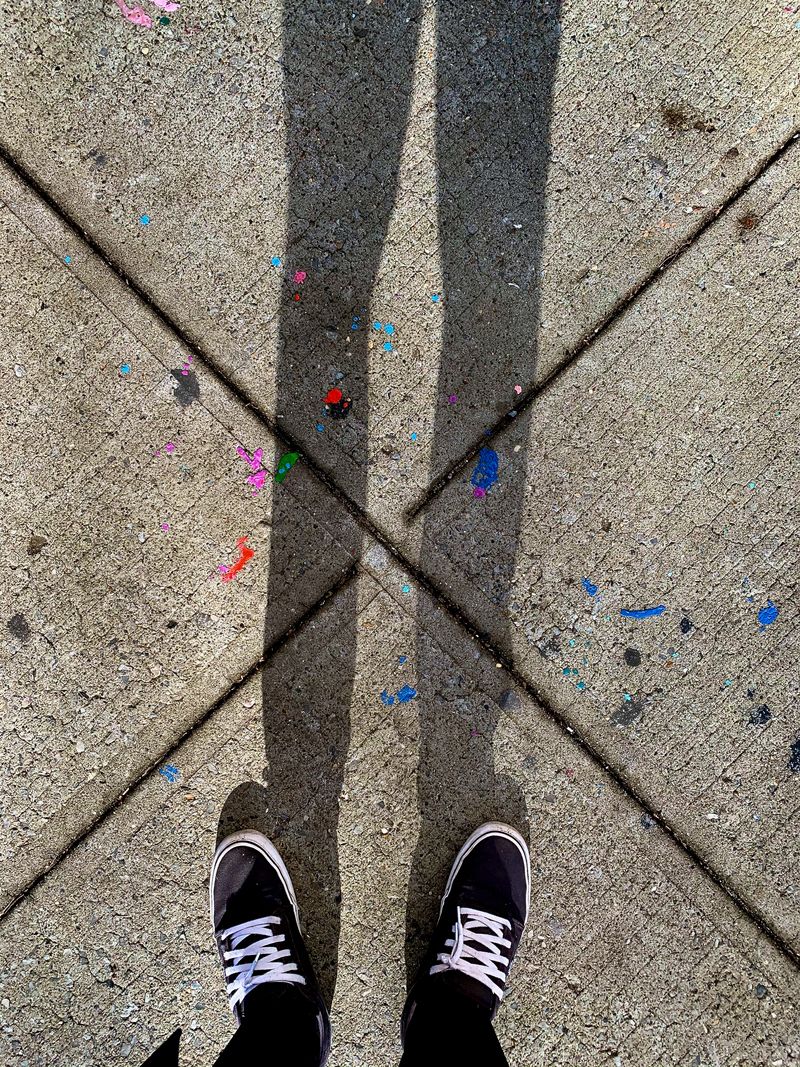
x=246, y=553
x=254, y=461
x=134, y=14
x=333, y=396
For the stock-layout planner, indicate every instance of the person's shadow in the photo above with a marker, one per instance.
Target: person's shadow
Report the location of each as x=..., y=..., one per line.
x=347, y=88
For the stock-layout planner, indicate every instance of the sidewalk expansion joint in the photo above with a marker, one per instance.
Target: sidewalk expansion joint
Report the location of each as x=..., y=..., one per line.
x=166, y=753
x=599, y=330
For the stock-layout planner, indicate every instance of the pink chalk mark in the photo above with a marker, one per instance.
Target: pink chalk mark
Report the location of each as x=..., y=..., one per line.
x=169, y=447
x=165, y=527
x=254, y=461
x=165, y=5
x=134, y=14
x=453, y=399
x=299, y=275
x=257, y=480
x=517, y=389
x=189, y=361
x=246, y=553
x=478, y=491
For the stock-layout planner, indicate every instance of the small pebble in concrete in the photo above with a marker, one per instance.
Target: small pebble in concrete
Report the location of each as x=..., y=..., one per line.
x=794, y=757
x=760, y=715
x=509, y=700
x=19, y=628
x=760, y=991
x=633, y=657
x=36, y=544
x=686, y=625
x=187, y=389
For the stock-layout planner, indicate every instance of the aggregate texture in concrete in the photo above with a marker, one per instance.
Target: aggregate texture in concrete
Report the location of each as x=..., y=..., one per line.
x=488, y=183
x=632, y=955
x=122, y=495
x=660, y=472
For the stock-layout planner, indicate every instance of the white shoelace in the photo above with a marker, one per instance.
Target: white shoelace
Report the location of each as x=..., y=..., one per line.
x=475, y=949
x=259, y=961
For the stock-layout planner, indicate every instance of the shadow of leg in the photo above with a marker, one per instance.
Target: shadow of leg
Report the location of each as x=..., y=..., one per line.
x=347, y=81
x=495, y=70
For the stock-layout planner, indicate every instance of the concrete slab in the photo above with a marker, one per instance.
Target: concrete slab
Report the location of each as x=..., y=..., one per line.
x=659, y=471
x=530, y=167
x=633, y=956
x=122, y=494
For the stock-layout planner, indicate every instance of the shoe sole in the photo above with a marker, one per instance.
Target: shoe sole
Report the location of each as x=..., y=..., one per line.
x=491, y=829
x=265, y=847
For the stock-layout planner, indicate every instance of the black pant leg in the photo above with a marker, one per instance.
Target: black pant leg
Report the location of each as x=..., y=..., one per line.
x=279, y=1029
x=447, y=1028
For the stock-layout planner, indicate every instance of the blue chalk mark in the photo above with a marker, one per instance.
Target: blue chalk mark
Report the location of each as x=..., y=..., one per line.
x=67, y=260
x=320, y=428
x=580, y=685
x=435, y=298
x=387, y=699
x=170, y=772
x=768, y=615
x=643, y=613
x=405, y=694
x=402, y=659
x=144, y=219
x=485, y=474
x=590, y=588
x=388, y=328
x=565, y=672
x=388, y=346
x=406, y=588
x=276, y=261
x=377, y=325
x=125, y=368
x=414, y=436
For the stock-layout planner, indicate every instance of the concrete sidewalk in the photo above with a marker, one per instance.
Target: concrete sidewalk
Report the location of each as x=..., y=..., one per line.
x=564, y=234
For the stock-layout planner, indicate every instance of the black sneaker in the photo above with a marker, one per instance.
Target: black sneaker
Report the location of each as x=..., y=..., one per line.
x=257, y=926
x=483, y=913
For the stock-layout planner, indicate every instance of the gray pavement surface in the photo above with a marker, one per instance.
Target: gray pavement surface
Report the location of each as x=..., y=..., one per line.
x=613, y=896
x=567, y=233
x=659, y=469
